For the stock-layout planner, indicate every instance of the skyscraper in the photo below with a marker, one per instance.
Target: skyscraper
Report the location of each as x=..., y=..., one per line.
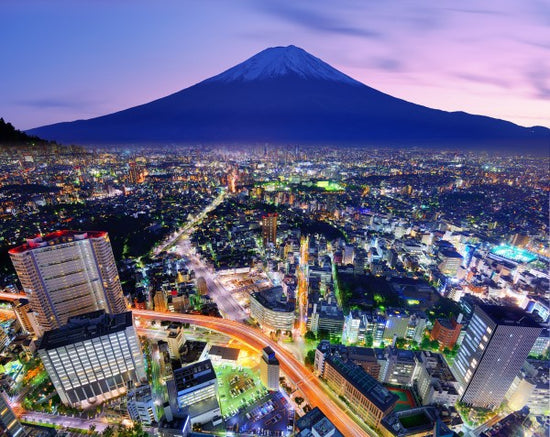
x=9, y=425
x=269, y=369
x=67, y=273
x=93, y=357
x=269, y=228
x=497, y=342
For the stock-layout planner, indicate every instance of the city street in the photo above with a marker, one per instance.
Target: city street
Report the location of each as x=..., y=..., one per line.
x=296, y=371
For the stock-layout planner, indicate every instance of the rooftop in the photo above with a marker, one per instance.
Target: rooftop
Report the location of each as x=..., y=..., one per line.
x=57, y=237
x=362, y=381
x=193, y=375
x=85, y=327
x=226, y=353
x=513, y=253
x=509, y=316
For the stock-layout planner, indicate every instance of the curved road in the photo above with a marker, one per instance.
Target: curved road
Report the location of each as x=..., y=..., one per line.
x=308, y=383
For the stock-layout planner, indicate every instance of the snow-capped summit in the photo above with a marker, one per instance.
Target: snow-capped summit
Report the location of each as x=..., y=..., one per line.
x=276, y=62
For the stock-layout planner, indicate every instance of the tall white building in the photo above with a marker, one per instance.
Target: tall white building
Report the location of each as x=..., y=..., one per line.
x=93, y=357
x=496, y=344
x=67, y=273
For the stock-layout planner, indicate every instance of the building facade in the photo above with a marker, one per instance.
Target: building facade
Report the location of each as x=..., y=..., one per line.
x=271, y=311
x=496, y=344
x=197, y=391
x=67, y=273
x=93, y=357
x=9, y=424
x=370, y=399
x=269, y=369
x=141, y=405
x=269, y=228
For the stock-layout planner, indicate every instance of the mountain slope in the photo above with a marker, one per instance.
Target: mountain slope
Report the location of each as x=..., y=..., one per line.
x=283, y=95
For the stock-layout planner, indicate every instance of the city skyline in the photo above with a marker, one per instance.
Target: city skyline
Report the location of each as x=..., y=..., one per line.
x=438, y=56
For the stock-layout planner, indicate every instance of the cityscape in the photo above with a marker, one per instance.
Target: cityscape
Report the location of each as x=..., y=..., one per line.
x=278, y=250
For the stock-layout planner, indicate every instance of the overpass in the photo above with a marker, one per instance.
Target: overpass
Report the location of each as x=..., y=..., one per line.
x=296, y=371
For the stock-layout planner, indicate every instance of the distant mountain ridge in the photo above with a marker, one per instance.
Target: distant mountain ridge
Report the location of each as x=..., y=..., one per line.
x=285, y=95
x=10, y=136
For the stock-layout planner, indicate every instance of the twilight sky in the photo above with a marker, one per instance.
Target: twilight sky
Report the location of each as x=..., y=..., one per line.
x=64, y=60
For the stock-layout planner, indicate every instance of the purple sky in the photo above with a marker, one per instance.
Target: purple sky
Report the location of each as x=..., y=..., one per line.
x=67, y=60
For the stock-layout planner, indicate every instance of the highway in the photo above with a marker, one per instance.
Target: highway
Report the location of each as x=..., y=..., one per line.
x=296, y=371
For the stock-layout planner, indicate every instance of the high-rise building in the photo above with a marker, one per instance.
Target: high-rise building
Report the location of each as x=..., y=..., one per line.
x=93, y=357
x=141, y=405
x=496, y=344
x=9, y=425
x=269, y=369
x=67, y=273
x=269, y=228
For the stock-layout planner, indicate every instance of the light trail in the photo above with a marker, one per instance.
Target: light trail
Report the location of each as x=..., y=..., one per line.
x=296, y=371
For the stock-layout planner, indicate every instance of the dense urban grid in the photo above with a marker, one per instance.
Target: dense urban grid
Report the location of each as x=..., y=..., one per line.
x=276, y=291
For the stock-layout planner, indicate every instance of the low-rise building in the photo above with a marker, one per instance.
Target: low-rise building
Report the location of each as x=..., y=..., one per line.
x=446, y=332
x=435, y=382
x=370, y=399
x=196, y=389
x=272, y=310
x=141, y=405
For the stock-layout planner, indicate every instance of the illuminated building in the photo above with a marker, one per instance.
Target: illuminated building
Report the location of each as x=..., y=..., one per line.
x=202, y=286
x=9, y=425
x=197, y=390
x=370, y=399
x=67, y=273
x=303, y=284
x=398, y=366
x=269, y=228
x=270, y=309
x=135, y=174
x=446, y=332
x=435, y=382
x=175, y=340
x=315, y=424
x=25, y=316
x=92, y=357
x=160, y=302
x=450, y=261
x=496, y=344
x=141, y=405
x=269, y=369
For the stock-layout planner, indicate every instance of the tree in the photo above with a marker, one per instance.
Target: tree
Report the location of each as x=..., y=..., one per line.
x=368, y=340
x=299, y=400
x=310, y=357
x=310, y=335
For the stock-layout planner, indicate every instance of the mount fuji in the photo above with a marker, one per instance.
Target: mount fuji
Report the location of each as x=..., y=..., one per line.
x=285, y=95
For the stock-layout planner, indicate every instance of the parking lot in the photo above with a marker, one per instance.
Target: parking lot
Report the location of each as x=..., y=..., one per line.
x=270, y=416
x=238, y=387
